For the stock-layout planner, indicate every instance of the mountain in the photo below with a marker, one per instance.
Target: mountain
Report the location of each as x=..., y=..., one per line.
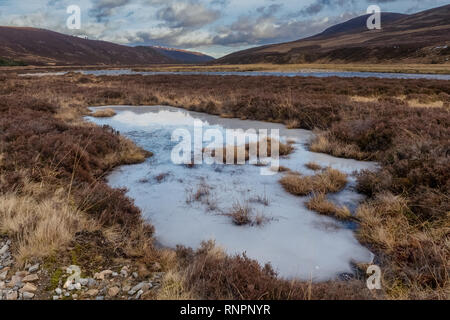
x=358, y=24
x=184, y=56
x=45, y=47
x=423, y=37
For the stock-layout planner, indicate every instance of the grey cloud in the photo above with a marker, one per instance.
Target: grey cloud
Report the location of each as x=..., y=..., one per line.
x=263, y=30
x=187, y=14
x=319, y=5
x=104, y=8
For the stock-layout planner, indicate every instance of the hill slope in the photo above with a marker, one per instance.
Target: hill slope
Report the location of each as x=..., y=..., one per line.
x=45, y=47
x=409, y=38
x=184, y=56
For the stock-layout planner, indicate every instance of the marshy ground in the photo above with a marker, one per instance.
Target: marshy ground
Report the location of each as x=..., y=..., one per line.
x=52, y=161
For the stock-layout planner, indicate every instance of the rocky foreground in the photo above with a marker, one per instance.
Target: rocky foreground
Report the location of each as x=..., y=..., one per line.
x=34, y=281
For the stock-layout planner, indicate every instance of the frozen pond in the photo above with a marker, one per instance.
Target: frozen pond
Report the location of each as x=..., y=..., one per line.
x=305, y=73
x=297, y=242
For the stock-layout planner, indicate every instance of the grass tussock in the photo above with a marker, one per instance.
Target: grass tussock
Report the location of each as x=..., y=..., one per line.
x=40, y=228
x=414, y=255
x=328, y=181
x=323, y=144
x=104, y=113
x=241, y=154
x=322, y=205
x=313, y=166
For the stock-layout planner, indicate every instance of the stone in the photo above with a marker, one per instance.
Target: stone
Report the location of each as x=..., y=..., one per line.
x=22, y=274
x=15, y=281
x=124, y=272
x=77, y=286
x=4, y=249
x=84, y=282
x=55, y=297
x=92, y=292
x=99, y=276
x=34, y=268
x=139, y=294
x=58, y=291
x=113, y=291
x=91, y=283
x=3, y=275
x=28, y=287
x=28, y=295
x=2, y=285
x=126, y=288
x=137, y=287
x=74, y=296
x=100, y=298
x=135, y=275
x=11, y=295
x=30, y=278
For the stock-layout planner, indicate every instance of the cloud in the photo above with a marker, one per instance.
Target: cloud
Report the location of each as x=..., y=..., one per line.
x=190, y=14
x=103, y=9
x=268, y=29
x=319, y=5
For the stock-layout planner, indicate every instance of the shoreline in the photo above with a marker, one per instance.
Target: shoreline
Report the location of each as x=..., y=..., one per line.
x=443, y=69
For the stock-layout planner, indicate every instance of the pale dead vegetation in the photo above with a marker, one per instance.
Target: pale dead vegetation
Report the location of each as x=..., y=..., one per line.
x=173, y=287
x=364, y=99
x=322, y=205
x=104, y=113
x=414, y=103
x=129, y=153
x=384, y=222
x=40, y=228
x=384, y=225
x=241, y=154
x=324, y=144
x=313, y=166
x=243, y=214
x=328, y=181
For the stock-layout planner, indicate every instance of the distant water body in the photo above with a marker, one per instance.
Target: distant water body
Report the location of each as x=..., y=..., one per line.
x=309, y=73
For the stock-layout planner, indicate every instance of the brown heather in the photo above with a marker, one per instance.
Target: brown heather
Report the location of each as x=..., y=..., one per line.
x=45, y=147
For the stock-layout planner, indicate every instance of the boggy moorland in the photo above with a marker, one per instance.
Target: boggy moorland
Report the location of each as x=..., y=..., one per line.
x=57, y=209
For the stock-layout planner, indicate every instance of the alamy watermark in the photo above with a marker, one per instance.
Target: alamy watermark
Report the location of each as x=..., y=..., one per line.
x=73, y=22
x=374, y=20
x=374, y=280
x=236, y=148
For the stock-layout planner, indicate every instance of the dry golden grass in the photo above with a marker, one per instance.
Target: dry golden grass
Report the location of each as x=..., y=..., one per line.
x=323, y=144
x=313, y=166
x=40, y=228
x=329, y=180
x=104, y=113
x=322, y=205
x=246, y=150
x=129, y=153
x=415, y=256
x=173, y=287
x=384, y=222
x=414, y=103
x=364, y=99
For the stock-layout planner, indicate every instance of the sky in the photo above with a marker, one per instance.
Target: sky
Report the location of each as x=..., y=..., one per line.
x=215, y=27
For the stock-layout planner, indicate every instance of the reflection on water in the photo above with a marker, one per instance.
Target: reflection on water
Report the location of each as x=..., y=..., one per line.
x=297, y=242
x=307, y=73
